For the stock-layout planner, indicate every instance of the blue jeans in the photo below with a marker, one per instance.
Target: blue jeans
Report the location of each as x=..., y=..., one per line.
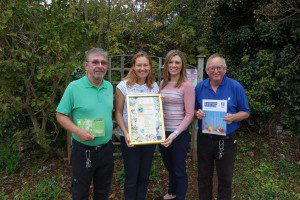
x=137, y=164
x=100, y=170
x=174, y=158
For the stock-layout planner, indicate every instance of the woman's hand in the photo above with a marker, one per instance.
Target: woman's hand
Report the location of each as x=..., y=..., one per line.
x=127, y=140
x=199, y=114
x=170, y=139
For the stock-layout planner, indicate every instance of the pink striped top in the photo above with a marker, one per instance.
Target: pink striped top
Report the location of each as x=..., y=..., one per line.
x=178, y=106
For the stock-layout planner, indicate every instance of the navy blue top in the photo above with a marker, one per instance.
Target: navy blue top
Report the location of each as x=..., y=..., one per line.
x=229, y=90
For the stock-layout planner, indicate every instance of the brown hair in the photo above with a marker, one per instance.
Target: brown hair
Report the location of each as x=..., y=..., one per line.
x=166, y=74
x=132, y=77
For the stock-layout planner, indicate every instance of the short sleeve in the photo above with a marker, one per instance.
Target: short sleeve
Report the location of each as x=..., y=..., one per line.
x=122, y=87
x=197, y=93
x=155, y=88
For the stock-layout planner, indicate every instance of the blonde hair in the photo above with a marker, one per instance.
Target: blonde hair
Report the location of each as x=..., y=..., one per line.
x=132, y=77
x=166, y=74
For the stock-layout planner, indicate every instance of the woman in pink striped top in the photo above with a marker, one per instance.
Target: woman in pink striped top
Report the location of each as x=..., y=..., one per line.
x=178, y=104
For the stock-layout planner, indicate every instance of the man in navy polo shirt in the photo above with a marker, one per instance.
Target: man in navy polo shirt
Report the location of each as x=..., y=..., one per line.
x=90, y=102
x=217, y=149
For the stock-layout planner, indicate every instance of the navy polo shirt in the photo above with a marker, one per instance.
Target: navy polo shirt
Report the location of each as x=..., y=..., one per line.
x=229, y=90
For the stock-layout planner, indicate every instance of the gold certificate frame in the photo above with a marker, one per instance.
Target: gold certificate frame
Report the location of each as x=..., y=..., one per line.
x=145, y=119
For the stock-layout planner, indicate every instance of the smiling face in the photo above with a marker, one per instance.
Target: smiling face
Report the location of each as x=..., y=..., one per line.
x=175, y=66
x=142, y=67
x=96, y=67
x=216, y=69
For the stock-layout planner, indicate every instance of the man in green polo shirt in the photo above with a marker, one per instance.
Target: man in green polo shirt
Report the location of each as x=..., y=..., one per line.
x=90, y=102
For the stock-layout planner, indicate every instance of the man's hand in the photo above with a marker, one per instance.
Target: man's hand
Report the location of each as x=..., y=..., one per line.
x=84, y=135
x=199, y=114
x=229, y=118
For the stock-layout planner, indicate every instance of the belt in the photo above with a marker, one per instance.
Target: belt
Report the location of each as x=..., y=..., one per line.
x=220, y=137
x=96, y=148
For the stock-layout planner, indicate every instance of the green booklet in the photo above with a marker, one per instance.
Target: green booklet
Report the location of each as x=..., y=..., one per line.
x=95, y=126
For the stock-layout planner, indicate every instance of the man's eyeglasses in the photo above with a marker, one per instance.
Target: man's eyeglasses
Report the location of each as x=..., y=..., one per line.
x=213, y=68
x=97, y=62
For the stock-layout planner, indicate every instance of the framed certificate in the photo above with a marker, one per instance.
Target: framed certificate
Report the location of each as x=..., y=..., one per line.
x=145, y=119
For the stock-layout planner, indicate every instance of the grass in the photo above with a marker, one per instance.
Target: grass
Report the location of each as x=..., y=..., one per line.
x=46, y=189
x=261, y=173
x=263, y=170
x=9, y=159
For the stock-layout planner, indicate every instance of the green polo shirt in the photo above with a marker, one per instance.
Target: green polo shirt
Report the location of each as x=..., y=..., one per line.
x=85, y=101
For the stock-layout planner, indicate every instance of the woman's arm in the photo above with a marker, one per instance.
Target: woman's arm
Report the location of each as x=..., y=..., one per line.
x=189, y=107
x=189, y=104
x=120, y=101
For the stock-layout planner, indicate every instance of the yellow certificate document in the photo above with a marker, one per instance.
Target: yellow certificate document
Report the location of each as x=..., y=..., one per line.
x=95, y=126
x=145, y=119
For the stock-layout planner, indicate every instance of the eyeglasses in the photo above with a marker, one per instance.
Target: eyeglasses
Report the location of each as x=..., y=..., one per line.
x=212, y=68
x=97, y=62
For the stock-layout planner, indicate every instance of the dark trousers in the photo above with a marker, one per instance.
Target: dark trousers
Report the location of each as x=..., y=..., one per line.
x=174, y=158
x=219, y=151
x=137, y=164
x=100, y=171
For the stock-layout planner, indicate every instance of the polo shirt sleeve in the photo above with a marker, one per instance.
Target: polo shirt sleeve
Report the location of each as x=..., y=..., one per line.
x=67, y=101
x=242, y=100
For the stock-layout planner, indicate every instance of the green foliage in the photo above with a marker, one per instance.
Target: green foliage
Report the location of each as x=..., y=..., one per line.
x=261, y=174
x=261, y=43
x=9, y=159
x=40, y=43
x=271, y=95
x=155, y=173
x=121, y=177
x=44, y=189
x=267, y=179
x=2, y=195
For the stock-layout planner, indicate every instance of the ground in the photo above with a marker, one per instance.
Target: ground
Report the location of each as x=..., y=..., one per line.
x=265, y=169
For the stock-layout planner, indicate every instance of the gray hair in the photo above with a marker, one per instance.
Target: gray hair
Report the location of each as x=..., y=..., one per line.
x=97, y=51
x=216, y=55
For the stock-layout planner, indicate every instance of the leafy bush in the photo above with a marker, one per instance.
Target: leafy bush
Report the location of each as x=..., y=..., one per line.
x=40, y=45
x=260, y=41
x=271, y=88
